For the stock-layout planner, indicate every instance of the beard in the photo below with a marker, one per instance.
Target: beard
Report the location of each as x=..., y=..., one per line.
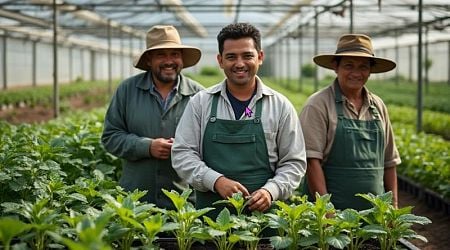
x=167, y=77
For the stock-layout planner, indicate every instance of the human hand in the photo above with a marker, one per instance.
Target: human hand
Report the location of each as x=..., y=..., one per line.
x=260, y=200
x=160, y=148
x=227, y=187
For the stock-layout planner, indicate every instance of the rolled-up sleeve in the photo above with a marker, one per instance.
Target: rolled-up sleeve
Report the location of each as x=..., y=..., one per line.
x=290, y=166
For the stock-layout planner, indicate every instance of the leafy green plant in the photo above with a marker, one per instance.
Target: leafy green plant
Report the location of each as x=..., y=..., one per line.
x=252, y=224
x=128, y=213
x=237, y=201
x=322, y=228
x=308, y=70
x=225, y=231
x=350, y=222
x=186, y=224
x=152, y=226
x=9, y=228
x=89, y=233
x=289, y=220
x=41, y=219
x=396, y=223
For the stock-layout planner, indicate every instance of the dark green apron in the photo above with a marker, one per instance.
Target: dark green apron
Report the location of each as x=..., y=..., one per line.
x=356, y=161
x=237, y=149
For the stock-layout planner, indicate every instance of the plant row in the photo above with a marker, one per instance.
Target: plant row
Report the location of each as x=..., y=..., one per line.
x=74, y=143
x=43, y=95
x=402, y=93
x=425, y=159
x=434, y=120
x=56, y=179
x=107, y=218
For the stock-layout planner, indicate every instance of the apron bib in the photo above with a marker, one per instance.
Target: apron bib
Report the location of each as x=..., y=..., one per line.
x=356, y=161
x=238, y=150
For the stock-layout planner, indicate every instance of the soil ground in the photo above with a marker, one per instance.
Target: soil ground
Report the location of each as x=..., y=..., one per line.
x=437, y=233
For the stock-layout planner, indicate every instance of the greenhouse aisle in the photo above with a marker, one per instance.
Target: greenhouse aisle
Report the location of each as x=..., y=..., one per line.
x=437, y=232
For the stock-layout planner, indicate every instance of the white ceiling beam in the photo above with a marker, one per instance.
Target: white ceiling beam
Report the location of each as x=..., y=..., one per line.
x=176, y=6
x=23, y=18
x=293, y=11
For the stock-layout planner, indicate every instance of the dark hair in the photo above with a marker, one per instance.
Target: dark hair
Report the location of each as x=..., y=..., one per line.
x=239, y=30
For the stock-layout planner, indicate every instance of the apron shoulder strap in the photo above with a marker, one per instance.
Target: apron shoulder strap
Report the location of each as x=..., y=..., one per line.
x=338, y=100
x=258, y=110
x=374, y=110
x=215, y=100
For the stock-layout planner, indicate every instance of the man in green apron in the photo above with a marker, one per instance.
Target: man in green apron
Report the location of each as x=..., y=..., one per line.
x=240, y=135
x=349, y=139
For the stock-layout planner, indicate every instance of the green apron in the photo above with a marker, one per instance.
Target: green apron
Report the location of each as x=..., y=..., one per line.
x=237, y=149
x=356, y=161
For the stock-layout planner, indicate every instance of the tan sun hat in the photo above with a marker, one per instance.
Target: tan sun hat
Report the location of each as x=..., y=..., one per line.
x=167, y=37
x=355, y=45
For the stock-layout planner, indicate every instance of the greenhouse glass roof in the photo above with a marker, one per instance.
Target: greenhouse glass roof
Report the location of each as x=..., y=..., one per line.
x=198, y=21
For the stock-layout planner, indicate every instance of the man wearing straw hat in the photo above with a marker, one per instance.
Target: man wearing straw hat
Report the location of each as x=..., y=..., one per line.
x=143, y=114
x=349, y=139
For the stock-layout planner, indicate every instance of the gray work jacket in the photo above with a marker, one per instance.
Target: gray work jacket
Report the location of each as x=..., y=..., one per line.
x=133, y=119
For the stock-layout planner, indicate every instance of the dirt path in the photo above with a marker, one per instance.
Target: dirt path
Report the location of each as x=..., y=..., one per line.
x=437, y=233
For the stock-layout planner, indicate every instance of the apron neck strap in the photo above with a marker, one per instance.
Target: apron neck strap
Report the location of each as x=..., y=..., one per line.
x=374, y=110
x=215, y=100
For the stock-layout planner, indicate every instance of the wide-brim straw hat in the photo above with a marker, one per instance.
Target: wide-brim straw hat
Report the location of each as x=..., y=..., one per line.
x=167, y=37
x=355, y=45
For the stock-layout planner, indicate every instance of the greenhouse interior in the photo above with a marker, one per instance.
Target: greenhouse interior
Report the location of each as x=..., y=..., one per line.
x=63, y=63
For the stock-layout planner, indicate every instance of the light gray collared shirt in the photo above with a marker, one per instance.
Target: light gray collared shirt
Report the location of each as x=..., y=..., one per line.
x=283, y=133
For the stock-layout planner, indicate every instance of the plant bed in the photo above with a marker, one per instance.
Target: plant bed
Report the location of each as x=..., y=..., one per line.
x=432, y=199
x=124, y=222
x=264, y=244
x=171, y=244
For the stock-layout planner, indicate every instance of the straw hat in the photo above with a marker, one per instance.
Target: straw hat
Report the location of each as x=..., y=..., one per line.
x=355, y=45
x=167, y=37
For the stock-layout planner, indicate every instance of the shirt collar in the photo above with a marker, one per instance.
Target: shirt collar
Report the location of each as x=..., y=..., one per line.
x=261, y=89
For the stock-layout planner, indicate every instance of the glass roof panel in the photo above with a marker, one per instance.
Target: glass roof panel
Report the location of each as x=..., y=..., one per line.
x=199, y=21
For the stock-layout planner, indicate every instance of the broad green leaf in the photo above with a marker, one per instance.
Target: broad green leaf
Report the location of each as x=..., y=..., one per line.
x=411, y=218
x=339, y=241
x=11, y=227
x=280, y=242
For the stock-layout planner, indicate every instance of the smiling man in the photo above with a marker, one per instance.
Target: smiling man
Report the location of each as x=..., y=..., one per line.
x=240, y=135
x=143, y=114
x=349, y=139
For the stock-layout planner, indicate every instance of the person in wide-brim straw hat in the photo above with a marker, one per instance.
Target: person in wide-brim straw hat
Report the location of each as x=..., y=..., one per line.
x=357, y=45
x=143, y=114
x=350, y=146
x=166, y=37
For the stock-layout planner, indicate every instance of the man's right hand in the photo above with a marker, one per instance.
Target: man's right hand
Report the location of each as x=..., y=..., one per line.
x=226, y=187
x=160, y=148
